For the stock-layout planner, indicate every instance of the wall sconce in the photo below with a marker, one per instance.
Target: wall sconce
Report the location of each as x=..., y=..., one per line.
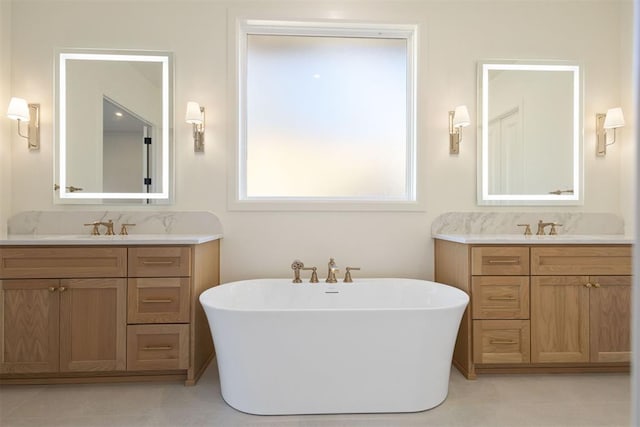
x=22, y=112
x=612, y=120
x=195, y=116
x=458, y=119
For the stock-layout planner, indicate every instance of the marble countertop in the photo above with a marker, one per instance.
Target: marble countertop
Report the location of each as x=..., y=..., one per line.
x=85, y=239
x=520, y=239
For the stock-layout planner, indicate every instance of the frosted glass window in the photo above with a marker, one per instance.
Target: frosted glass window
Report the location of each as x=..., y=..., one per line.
x=327, y=118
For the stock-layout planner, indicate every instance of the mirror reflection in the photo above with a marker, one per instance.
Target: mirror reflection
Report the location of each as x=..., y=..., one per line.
x=529, y=138
x=114, y=122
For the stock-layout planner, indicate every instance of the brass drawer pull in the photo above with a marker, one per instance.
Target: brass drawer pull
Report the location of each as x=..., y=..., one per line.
x=504, y=261
x=503, y=342
x=51, y=289
x=148, y=300
x=62, y=289
x=158, y=262
x=502, y=298
x=158, y=347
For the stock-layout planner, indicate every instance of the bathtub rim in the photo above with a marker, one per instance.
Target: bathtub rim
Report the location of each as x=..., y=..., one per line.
x=451, y=306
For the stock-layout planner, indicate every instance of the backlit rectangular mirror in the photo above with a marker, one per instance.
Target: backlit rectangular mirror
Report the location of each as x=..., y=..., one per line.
x=113, y=126
x=530, y=133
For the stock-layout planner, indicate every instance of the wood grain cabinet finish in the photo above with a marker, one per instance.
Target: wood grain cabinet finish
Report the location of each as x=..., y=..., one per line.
x=29, y=326
x=500, y=261
x=581, y=319
x=501, y=341
x=62, y=262
x=66, y=325
x=93, y=313
x=157, y=347
x=170, y=261
x=159, y=300
x=500, y=297
x=540, y=308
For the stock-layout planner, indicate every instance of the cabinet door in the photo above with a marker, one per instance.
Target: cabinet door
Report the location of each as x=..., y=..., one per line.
x=559, y=319
x=93, y=324
x=29, y=326
x=610, y=322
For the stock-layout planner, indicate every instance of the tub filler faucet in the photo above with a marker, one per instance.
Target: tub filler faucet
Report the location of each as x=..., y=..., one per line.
x=333, y=269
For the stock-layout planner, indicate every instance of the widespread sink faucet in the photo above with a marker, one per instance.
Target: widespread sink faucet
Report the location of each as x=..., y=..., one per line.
x=333, y=269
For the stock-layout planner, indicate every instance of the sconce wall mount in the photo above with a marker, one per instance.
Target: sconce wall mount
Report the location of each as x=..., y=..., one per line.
x=195, y=116
x=458, y=118
x=21, y=111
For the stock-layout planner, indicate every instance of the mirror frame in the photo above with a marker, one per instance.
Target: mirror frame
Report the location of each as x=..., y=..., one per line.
x=484, y=198
x=166, y=143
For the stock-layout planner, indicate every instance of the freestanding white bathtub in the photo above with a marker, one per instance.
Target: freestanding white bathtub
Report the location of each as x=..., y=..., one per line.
x=375, y=345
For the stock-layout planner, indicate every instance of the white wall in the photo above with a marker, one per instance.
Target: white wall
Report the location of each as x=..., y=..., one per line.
x=5, y=125
x=454, y=35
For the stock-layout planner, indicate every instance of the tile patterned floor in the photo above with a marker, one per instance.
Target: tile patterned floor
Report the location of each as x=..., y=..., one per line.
x=492, y=400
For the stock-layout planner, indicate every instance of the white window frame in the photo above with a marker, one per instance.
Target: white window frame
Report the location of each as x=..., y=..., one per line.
x=238, y=199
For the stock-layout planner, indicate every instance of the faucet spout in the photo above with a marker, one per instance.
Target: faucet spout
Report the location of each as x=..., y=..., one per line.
x=332, y=270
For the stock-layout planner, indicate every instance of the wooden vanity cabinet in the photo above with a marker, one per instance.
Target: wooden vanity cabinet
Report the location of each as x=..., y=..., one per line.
x=540, y=308
x=84, y=314
x=64, y=324
x=585, y=318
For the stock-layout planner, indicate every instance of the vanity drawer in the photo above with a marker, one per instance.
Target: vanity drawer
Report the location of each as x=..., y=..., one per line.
x=582, y=260
x=158, y=300
x=165, y=261
x=62, y=262
x=501, y=341
x=500, y=261
x=157, y=347
x=500, y=297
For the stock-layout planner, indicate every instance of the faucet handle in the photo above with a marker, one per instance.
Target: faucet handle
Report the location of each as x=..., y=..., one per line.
x=94, y=231
x=347, y=275
x=314, y=274
x=527, y=230
x=296, y=266
x=123, y=229
x=553, y=230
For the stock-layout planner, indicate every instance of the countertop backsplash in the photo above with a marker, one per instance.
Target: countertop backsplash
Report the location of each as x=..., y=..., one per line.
x=147, y=222
x=506, y=222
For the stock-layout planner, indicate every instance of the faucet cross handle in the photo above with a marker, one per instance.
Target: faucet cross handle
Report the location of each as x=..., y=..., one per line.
x=347, y=275
x=296, y=266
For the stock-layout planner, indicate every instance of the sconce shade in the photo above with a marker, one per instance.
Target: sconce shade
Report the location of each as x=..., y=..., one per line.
x=194, y=115
x=18, y=109
x=461, y=117
x=614, y=118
